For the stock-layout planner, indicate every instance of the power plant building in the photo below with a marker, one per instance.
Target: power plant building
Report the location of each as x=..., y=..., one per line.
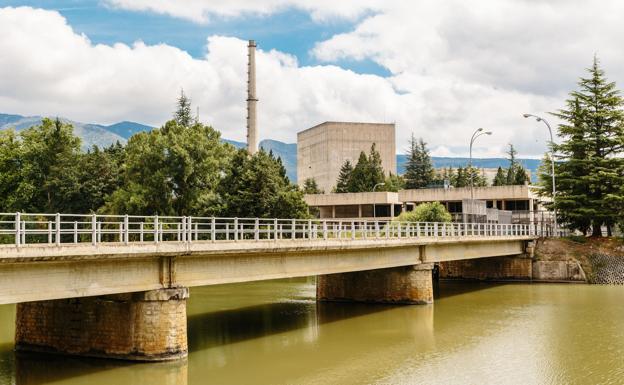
x=323, y=149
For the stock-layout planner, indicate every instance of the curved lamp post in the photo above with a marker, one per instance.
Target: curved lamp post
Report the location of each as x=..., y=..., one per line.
x=552, y=163
x=479, y=132
x=374, y=187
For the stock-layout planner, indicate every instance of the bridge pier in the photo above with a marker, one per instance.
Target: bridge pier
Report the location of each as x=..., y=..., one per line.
x=143, y=326
x=405, y=284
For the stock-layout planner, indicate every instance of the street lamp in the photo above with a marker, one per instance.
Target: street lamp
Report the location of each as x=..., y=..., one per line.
x=552, y=163
x=479, y=132
x=374, y=187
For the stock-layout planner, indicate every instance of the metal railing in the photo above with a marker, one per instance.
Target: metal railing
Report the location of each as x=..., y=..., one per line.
x=56, y=229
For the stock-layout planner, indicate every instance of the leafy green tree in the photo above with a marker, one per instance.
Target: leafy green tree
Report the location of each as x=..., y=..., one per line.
x=501, y=178
x=342, y=184
x=49, y=163
x=10, y=171
x=311, y=187
x=426, y=212
x=419, y=170
x=462, y=178
x=100, y=174
x=173, y=170
x=183, y=114
x=590, y=173
x=393, y=183
x=254, y=186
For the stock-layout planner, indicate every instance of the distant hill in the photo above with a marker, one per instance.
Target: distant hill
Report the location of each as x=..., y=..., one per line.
x=91, y=134
x=101, y=135
x=286, y=151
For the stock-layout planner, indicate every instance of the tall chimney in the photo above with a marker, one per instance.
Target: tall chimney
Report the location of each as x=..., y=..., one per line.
x=252, y=133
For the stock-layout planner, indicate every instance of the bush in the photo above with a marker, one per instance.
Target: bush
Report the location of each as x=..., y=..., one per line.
x=426, y=212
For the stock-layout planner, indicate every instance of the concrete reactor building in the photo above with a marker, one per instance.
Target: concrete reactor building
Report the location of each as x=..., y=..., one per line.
x=323, y=149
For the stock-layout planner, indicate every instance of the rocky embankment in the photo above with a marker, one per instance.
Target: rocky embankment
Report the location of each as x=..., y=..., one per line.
x=594, y=260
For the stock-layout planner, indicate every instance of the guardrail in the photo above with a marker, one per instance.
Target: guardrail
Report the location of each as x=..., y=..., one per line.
x=56, y=229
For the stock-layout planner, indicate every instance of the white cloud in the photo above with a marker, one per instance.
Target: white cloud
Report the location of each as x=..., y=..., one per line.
x=455, y=66
x=201, y=11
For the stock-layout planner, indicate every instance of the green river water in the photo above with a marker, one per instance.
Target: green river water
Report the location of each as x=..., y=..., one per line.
x=274, y=332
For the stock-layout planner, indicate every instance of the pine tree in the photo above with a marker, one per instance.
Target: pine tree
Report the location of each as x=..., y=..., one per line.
x=375, y=169
x=513, y=165
x=183, y=115
x=419, y=171
x=590, y=172
x=501, y=178
x=360, y=177
x=342, y=184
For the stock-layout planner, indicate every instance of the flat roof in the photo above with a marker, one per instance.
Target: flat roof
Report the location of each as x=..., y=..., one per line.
x=345, y=123
x=346, y=199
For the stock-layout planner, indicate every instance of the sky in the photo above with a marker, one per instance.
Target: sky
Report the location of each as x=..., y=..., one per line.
x=439, y=69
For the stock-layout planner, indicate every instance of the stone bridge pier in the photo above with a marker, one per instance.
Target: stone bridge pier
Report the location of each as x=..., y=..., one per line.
x=143, y=326
x=405, y=284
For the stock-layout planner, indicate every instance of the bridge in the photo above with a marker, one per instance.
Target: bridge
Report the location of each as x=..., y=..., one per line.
x=116, y=286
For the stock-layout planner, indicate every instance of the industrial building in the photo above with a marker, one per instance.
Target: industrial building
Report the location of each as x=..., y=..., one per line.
x=323, y=149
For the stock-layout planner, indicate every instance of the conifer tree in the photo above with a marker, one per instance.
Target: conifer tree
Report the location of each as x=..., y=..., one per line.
x=342, y=184
x=501, y=178
x=590, y=173
x=183, y=115
x=419, y=170
x=360, y=177
x=311, y=187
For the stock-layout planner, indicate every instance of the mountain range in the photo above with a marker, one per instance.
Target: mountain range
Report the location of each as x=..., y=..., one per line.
x=102, y=135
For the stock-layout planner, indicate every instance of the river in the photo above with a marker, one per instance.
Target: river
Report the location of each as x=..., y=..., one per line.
x=274, y=332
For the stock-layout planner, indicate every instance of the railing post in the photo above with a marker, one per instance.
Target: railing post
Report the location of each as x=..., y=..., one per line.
x=49, y=232
x=310, y=228
x=435, y=229
x=275, y=229
x=126, y=230
x=75, y=231
x=18, y=229
x=352, y=230
x=213, y=229
x=93, y=229
x=293, y=229
x=235, y=229
x=58, y=229
x=141, y=232
x=325, y=230
x=257, y=229
x=399, y=229
x=376, y=229
x=99, y=234
x=156, y=228
x=189, y=227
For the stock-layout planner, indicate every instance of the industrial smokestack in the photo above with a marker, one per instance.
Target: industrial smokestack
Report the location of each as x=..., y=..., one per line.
x=252, y=133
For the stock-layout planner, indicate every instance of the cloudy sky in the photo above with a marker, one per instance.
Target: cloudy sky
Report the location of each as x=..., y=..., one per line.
x=438, y=68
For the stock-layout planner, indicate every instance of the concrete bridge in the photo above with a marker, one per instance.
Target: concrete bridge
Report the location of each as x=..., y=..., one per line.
x=116, y=286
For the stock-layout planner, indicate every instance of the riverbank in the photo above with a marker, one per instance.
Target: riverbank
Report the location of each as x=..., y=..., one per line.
x=599, y=260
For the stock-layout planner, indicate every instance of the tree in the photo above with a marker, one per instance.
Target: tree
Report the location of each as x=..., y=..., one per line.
x=501, y=178
x=344, y=178
x=49, y=163
x=10, y=171
x=367, y=173
x=393, y=183
x=419, y=170
x=426, y=212
x=311, y=187
x=173, y=170
x=590, y=173
x=183, y=115
x=254, y=186
x=462, y=178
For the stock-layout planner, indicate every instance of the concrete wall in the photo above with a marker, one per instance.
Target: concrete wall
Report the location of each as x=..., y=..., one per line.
x=322, y=149
x=558, y=271
x=457, y=194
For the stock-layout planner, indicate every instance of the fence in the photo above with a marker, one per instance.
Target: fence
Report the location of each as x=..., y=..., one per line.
x=55, y=229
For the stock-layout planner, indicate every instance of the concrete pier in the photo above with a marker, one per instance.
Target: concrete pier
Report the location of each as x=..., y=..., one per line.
x=144, y=326
x=405, y=284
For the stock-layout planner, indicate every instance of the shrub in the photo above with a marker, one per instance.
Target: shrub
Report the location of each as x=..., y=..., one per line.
x=426, y=212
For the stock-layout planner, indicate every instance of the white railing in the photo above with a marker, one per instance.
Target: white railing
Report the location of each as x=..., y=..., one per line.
x=55, y=229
